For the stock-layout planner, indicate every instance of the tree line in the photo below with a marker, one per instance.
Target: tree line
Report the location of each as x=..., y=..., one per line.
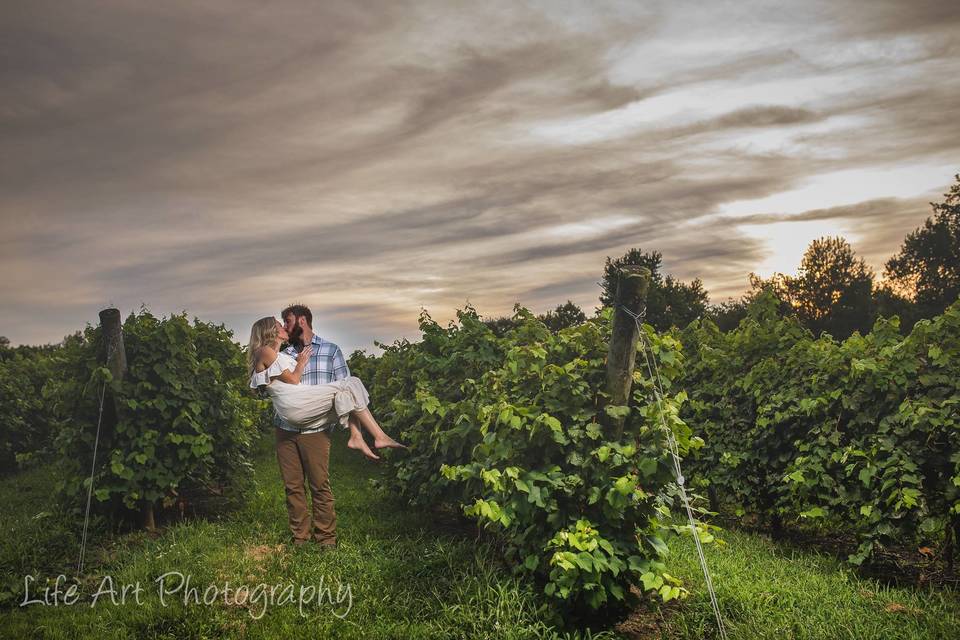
x=834, y=291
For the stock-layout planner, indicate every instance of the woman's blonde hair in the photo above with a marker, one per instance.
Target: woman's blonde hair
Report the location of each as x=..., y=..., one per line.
x=263, y=334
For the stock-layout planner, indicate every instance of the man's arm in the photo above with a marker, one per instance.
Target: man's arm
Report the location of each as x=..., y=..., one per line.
x=340, y=368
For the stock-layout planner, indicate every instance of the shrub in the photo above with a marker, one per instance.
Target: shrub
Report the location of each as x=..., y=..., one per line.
x=185, y=423
x=512, y=429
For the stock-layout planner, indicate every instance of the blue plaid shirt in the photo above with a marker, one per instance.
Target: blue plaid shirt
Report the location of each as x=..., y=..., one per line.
x=327, y=364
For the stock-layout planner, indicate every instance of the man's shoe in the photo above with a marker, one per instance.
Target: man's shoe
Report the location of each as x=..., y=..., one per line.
x=327, y=546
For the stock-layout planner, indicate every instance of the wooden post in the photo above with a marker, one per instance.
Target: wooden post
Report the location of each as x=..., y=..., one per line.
x=113, y=354
x=633, y=281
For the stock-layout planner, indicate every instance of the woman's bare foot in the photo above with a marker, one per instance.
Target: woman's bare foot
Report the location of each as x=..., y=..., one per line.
x=380, y=439
x=360, y=445
x=387, y=443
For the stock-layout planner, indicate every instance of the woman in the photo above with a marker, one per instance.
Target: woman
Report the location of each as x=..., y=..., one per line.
x=306, y=405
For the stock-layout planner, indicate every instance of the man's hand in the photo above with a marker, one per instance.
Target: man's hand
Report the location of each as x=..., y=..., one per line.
x=303, y=358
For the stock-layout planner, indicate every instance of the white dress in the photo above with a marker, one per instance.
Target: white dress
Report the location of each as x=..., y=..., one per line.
x=309, y=405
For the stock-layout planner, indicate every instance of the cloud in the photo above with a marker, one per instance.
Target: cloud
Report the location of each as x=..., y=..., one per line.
x=371, y=158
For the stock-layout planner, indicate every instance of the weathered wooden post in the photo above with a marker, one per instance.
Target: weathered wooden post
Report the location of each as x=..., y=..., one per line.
x=633, y=281
x=113, y=354
x=114, y=357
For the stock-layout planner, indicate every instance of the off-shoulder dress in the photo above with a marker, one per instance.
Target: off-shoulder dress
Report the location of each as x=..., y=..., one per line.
x=308, y=405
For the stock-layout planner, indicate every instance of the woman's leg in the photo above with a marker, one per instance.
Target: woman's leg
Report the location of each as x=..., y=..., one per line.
x=356, y=440
x=380, y=439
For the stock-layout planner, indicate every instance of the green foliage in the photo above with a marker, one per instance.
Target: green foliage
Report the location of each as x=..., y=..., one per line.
x=185, y=422
x=741, y=452
x=362, y=364
x=26, y=420
x=861, y=435
x=425, y=390
x=32, y=404
x=882, y=455
x=512, y=430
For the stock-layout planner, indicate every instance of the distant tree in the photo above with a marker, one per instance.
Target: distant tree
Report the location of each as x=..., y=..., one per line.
x=500, y=326
x=728, y=314
x=831, y=292
x=565, y=315
x=926, y=271
x=4, y=342
x=889, y=302
x=670, y=302
x=833, y=289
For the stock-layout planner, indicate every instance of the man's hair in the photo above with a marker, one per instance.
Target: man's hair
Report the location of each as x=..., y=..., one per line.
x=298, y=311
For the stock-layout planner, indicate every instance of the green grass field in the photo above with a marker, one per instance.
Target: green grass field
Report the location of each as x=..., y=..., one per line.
x=400, y=574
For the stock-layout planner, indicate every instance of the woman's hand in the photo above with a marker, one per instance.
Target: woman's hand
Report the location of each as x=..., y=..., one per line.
x=303, y=358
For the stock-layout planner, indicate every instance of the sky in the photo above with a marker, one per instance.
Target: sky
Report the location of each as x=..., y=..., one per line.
x=372, y=159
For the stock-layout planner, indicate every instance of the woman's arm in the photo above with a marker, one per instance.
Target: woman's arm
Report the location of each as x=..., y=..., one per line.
x=266, y=356
x=293, y=377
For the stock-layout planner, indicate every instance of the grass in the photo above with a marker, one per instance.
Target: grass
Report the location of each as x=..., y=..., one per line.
x=773, y=590
x=399, y=574
x=395, y=574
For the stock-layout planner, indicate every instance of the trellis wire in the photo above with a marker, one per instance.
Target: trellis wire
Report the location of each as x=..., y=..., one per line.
x=93, y=469
x=655, y=379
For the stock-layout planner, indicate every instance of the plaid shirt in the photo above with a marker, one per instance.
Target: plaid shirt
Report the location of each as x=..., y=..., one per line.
x=327, y=364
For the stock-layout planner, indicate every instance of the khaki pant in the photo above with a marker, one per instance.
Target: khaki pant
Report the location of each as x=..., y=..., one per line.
x=307, y=453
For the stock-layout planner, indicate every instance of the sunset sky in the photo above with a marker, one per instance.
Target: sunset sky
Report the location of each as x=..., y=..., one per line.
x=370, y=159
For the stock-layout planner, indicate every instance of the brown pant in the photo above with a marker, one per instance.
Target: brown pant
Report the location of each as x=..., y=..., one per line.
x=298, y=453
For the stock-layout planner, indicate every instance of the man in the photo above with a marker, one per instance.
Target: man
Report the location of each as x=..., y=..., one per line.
x=307, y=451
